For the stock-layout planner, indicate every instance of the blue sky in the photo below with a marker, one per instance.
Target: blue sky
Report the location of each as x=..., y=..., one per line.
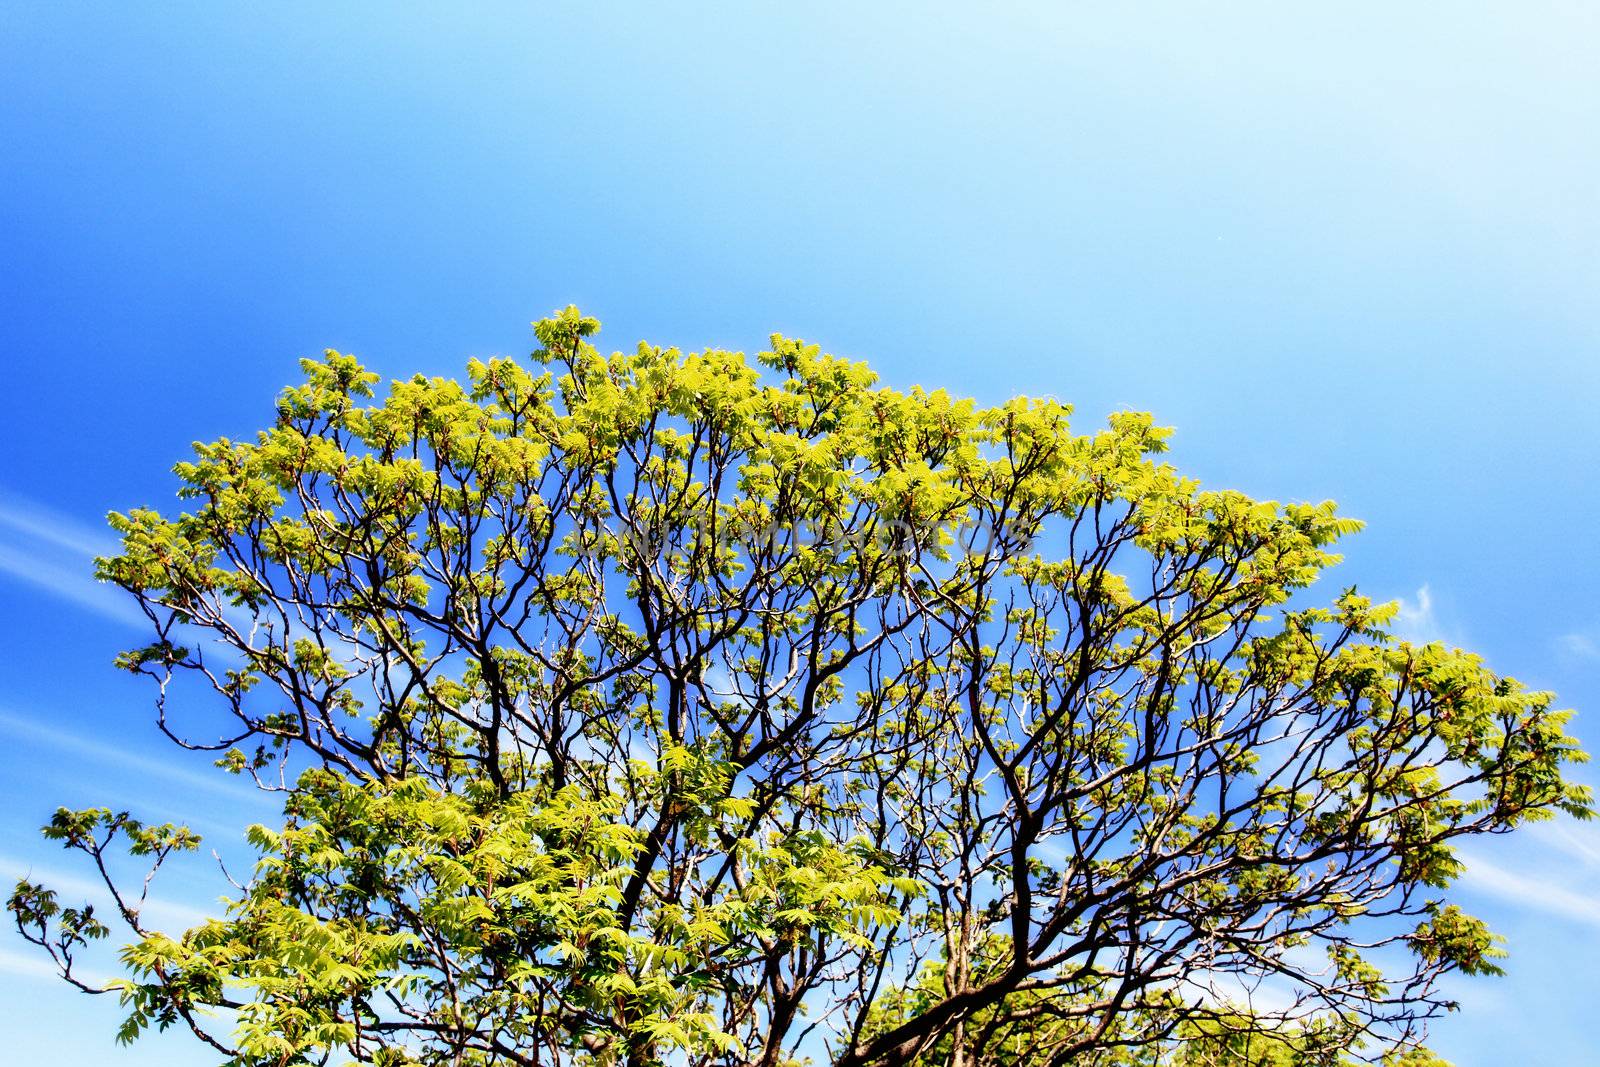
x=1349, y=252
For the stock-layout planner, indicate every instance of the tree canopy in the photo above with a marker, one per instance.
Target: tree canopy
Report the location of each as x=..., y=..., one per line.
x=674, y=708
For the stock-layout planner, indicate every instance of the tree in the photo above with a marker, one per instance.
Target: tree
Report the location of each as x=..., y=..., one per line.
x=662, y=708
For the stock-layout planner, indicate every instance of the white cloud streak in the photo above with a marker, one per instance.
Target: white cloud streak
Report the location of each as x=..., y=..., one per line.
x=1538, y=893
x=39, y=523
x=18, y=726
x=47, y=550
x=36, y=967
x=1578, y=842
x=1416, y=621
x=160, y=912
x=1579, y=645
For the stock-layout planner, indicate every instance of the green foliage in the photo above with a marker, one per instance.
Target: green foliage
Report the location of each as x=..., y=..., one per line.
x=665, y=707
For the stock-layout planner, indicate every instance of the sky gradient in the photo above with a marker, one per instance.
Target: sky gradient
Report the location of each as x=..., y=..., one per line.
x=1348, y=253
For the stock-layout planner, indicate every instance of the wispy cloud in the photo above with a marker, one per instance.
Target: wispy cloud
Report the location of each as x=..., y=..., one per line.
x=68, y=584
x=160, y=912
x=25, y=966
x=1578, y=842
x=20, y=727
x=47, y=550
x=1259, y=995
x=1417, y=620
x=40, y=523
x=1579, y=645
x=1537, y=892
